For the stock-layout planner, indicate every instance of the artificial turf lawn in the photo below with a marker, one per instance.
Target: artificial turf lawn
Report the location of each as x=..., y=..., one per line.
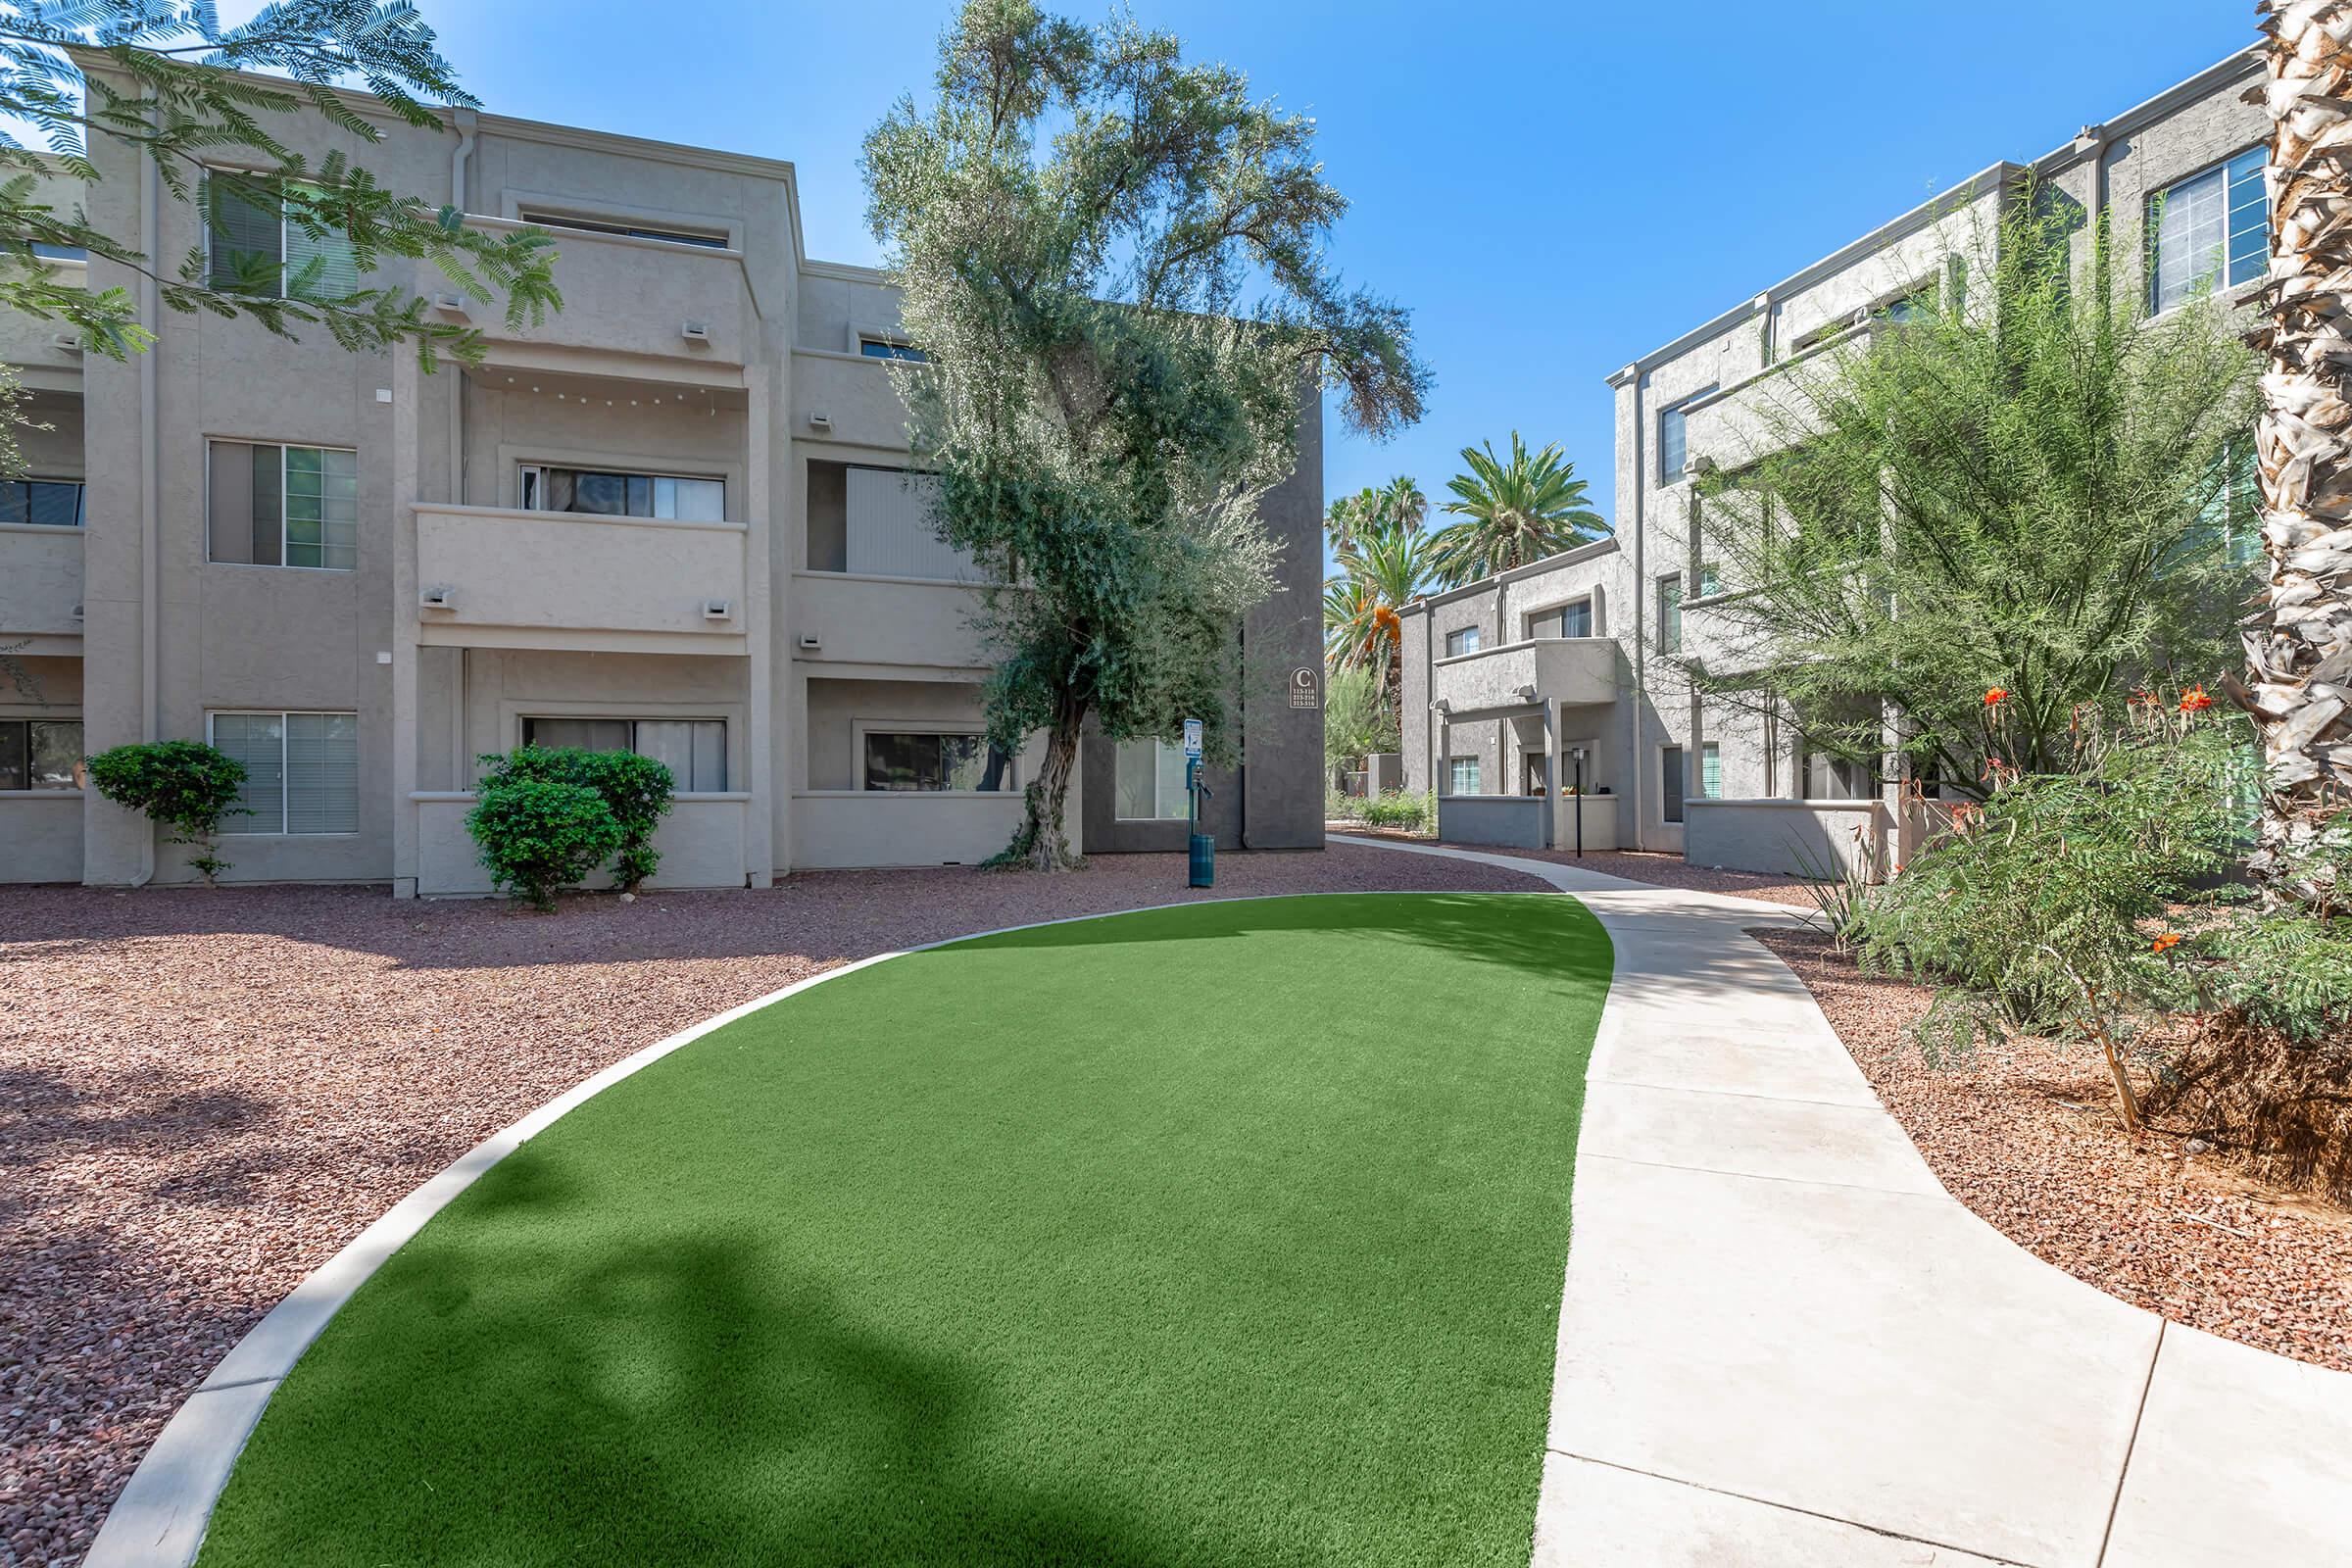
x=1226, y=1234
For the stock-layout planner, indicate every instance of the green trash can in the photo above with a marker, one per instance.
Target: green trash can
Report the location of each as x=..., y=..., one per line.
x=1205, y=861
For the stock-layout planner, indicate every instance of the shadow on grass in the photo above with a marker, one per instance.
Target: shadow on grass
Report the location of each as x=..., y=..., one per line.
x=688, y=1399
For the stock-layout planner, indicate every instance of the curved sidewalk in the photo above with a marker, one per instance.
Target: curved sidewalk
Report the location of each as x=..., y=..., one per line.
x=1783, y=1344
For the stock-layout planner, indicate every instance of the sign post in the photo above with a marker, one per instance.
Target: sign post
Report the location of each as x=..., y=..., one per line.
x=1203, y=848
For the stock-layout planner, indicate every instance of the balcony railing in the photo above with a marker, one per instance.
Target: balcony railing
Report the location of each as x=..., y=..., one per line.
x=566, y=579
x=40, y=582
x=1569, y=670
x=638, y=296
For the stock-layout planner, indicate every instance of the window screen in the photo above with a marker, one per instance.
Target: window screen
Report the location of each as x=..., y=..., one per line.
x=694, y=749
x=285, y=506
x=41, y=502
x=1670, y=783
x=934, y=760
x=1150, y=783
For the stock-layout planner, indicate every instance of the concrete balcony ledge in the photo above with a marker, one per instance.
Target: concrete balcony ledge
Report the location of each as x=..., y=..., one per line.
x=1518, y=676
x=493, y=576
x=624, y=295
x=40, y=583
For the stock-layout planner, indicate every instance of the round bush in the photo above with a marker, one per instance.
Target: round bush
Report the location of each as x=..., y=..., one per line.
x=540, y=835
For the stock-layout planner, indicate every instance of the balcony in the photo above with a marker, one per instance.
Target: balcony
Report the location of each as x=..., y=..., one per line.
x=1571, y=670
x=488, y=576
x=636, y=297
x=886, y=621
x=856, y=395
x=40, y=583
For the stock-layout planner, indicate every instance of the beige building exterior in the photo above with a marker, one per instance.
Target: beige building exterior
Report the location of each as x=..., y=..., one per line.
x=675, y=517
x=1485, y=697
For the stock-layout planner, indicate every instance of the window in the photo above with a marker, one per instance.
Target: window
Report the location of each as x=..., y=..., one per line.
x=60, y=253
x=1149, y=782
x=1710, y=770
x=302, y=771
x=274, y=506
x=589, y=225
x=602, y=493
x=2233, y=511
x=1670, y=783
x=257, y=246
x=2211, y=229
x=936, y=760
x=41, y=502
x=694, y=749
x=1568, y=620
x=1463, y=641
x=882, y=348
x=1461, y=775
x=1670, y=613
x=1674, y=438
x=41, y=754
x=1710, y=581
x=1833, y=778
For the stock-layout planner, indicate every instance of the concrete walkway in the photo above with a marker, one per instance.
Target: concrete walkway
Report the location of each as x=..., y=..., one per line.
x=1785, y=1346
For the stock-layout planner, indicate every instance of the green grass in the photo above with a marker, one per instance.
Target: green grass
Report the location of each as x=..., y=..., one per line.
x=1230, y=1234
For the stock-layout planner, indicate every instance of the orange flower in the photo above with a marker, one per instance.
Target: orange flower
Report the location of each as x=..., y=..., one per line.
x=2194, y=701
x=2168, y=941
x=1996, y=697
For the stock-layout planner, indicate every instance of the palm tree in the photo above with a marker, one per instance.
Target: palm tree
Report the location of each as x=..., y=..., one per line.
x=1399, y=502
x=1512, y=512
x=1385, y=569
x=2300, y=646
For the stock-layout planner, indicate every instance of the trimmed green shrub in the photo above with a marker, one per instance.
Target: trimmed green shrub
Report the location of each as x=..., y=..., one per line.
x=1399, y=809
x=540, y=835
x=185, y=786
x=637, y=790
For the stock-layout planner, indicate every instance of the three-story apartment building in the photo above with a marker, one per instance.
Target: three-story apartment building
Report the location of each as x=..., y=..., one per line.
x=676, y=518
x=1495, y=707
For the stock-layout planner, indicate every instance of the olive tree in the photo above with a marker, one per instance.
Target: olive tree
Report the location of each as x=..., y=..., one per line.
x=1115, y=263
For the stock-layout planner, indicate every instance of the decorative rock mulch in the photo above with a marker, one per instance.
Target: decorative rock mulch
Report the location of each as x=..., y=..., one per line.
x=2027, y=1136
x=205, y=1094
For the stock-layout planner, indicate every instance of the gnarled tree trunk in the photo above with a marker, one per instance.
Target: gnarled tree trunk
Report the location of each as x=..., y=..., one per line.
x=1040, y=844
x=2299, y=643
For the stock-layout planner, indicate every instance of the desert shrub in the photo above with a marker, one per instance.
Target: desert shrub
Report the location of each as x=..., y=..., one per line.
x=539, y=835
x=1397, y=808
x=638, y=790
x=2050, y=908
x=185, y=786
x=1341, y=807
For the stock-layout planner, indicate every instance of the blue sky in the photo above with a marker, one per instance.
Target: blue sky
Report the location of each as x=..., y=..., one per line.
x=1553, y=188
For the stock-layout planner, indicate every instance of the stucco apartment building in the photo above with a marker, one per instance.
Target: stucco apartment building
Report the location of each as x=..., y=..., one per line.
x=1561, y=670
x=674, y=519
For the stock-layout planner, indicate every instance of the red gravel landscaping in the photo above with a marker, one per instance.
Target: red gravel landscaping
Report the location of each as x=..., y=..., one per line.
x=2027, y=1135
x=205, y=1094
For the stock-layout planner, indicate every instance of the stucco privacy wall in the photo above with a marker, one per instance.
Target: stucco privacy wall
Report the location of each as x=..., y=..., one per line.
x=737, y=360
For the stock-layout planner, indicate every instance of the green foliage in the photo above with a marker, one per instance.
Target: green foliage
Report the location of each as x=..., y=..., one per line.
x=1397, y=808
x=638, y=790
x=1399, y=504
x=1383, y=568
x=1512, y=512
x=1839, y=892
x=1357, y=720
x=540, y=835
x=1072, y=220
x=2043, y=908
x=1341, y=807
x=2026, y=486
x=185, y=786
x=2282, y=970
x=114, y=71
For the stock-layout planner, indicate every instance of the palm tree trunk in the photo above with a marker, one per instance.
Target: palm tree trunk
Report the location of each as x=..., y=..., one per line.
x=2299, y=643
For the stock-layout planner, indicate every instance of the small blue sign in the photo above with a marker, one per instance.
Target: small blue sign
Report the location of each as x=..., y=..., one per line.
x=1192, y=738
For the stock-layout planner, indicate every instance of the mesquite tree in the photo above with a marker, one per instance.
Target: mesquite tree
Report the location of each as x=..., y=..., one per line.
x=1115, y=263
x=2299, y=644
x=147, y=75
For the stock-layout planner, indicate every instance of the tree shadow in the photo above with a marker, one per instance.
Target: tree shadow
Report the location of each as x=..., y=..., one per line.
x=496, y=1394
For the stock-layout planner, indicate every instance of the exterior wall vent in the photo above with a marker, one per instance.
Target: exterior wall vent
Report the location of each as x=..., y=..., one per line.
x=66, y=342
x=449, y=302
x=810, y=642
x=695, y=332
x=438, y=597
x=716, y=610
